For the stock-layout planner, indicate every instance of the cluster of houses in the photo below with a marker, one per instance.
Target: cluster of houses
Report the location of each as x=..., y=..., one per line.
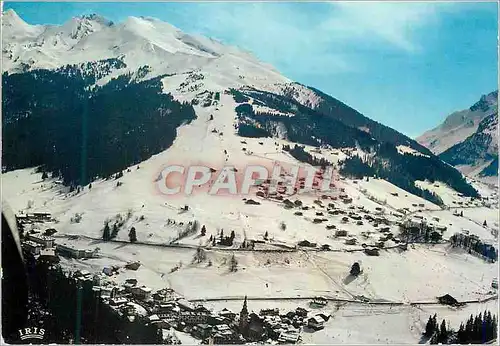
x=38, y=243
x=167, y=310
x=23, y=219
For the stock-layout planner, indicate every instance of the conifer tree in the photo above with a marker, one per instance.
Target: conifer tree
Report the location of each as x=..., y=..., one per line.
x=443, y=333
x=106, y=235
x=429, y=327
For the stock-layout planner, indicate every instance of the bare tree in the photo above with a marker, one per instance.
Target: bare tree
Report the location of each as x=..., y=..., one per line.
x=282, y=226
x=200, y=255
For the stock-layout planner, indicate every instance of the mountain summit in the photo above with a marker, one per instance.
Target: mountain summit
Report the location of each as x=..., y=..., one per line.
x=468, y=139
x=459, y=125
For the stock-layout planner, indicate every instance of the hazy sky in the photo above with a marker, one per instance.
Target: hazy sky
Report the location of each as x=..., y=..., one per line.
x=406, y=65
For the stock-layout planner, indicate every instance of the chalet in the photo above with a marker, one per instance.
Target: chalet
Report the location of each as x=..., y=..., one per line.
x=372, y=251
x=345, y=219
x=202, y=331
x=340, y=233
x=161, y=323
x=32, y=247
x=289, y=336
x=270, y=312
x=185, y=305
x=41, y=239
x=167, y=308
x=218, y=320
x=118, y=301
x=223, y=334
x=301, y=312
x=354, y=216
x=129, y=285
x=133, y=265
x=350, y=241
x=359, y=223
x=227, y=314
x=447, y=300
x=191, y=318
x=316, y=322
x=319, y=301
x=347, y=200
x=306, y=243
x=49, y=254
x=142, y=292
x=69, y=251
x=382, y=220
x=441, y=228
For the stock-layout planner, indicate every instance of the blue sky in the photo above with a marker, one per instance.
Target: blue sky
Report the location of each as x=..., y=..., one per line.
x=406, y=65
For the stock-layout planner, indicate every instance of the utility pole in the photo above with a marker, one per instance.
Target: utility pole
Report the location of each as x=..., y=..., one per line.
x=78, y=325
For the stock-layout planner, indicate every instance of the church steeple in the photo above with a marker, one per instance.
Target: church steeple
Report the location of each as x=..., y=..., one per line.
x=245, y=308
x=244, y=318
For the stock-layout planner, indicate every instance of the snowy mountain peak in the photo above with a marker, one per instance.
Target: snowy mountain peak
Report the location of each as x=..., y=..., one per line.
x=97, y=18
x=10, y=18
x=12, y=24
x=137, y=41
x=460, y=125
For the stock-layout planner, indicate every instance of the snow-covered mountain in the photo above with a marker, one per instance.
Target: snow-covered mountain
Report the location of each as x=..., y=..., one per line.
x=468, y=139
x=126, y=77
x=478, y=153
x=164, y=48
x=459, y=125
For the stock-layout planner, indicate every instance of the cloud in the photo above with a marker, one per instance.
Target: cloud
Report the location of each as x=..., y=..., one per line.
x=391, y=23
x=322, y=36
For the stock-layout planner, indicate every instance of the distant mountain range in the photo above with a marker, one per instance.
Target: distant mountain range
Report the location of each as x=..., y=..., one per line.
x=89, y=98
x=468, y=139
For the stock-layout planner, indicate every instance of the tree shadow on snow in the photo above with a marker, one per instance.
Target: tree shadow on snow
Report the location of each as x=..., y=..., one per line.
x=423, y=339
x=348, y=279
